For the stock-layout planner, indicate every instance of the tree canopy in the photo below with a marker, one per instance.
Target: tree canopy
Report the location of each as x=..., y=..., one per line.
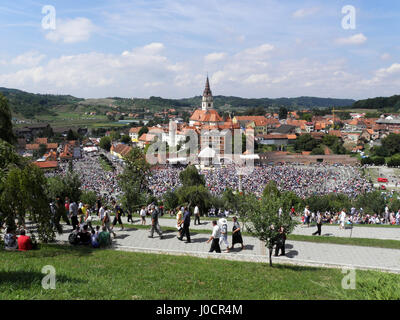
x=6, y=132
x=23, y=192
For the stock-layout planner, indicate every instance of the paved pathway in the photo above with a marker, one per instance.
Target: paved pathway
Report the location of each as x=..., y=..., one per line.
x=390, y=233
x=298, y=252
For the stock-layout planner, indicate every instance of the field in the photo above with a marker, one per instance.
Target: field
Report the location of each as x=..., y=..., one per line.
x=83, y=273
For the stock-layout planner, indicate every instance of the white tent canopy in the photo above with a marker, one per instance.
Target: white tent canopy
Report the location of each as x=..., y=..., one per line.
x=207, y=153
x=250, y=157
x=90, y=149
x=176, y=160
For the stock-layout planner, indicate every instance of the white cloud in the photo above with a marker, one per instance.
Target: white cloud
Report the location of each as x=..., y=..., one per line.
x=153, y=84
x=257, y=79
x=356, y=39
x=258, y=51
x=214, y=57
x=301, y=13
x=385, y=56
x=72, y=30
x=259, y=71
x=393, y=69
x=28, y=59
x=137, y=71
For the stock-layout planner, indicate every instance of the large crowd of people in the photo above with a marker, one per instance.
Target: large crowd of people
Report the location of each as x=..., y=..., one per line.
x=305, y=181
x=92, y=175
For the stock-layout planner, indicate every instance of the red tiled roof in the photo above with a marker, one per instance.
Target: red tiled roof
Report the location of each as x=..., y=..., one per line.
x=121, y=149
x=46, y=164
x=147, y=137
x=206, y=116
x=32, y=146
x=52, y=146
x=41, y=140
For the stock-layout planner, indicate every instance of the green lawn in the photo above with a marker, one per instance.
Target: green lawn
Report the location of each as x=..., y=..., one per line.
x=378, y=243
x=83, y=273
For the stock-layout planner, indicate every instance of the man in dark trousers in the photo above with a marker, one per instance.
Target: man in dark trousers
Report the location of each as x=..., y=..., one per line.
x=215, y=238
x=154, y=222
x=280, y=242
x=319, y=224
x=186, y=224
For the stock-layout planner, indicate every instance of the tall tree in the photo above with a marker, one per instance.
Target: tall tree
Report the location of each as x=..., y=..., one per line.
x=105, y=143
x=191, y=177
x=282, y=113
x=23, y=192
x=134, y=180
x=6, y=132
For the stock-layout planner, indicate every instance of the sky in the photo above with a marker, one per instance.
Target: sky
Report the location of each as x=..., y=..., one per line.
x=166, y=48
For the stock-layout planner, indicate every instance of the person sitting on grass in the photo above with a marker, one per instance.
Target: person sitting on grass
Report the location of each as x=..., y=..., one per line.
x=104, y=238
x=24, y=242
x=84, y=235
x=10, y=240
x=95, y=239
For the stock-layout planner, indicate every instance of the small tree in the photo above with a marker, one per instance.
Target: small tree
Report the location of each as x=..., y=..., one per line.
x=263, y=221
x=126, y=139
x=271, y=189
x=105, y=143
x=171, y=200
x=72, y=135
x=142, y=130
x=68, y=186
x=133, y=181
x=89, y=197
x=191, y=177
x=42, y=150
x=195, y=195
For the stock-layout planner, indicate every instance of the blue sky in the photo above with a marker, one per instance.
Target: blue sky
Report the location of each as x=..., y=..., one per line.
x=166, y=47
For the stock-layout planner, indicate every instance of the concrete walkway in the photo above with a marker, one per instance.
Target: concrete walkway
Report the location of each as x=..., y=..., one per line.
x=390, y=233
x=297, y=252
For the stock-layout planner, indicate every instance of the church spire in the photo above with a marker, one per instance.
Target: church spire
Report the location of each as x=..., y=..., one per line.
x=207, y=91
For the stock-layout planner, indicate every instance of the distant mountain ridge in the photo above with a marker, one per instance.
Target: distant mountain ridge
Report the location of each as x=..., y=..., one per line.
x=30, y=104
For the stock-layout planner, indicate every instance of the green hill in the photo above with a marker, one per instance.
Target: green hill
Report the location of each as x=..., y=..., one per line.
x=30, y=105
x=390, y=104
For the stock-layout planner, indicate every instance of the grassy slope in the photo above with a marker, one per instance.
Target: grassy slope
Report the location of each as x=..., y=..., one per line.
x=107, y=274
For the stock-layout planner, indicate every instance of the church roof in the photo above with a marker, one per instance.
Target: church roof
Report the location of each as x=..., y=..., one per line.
x=210, y=115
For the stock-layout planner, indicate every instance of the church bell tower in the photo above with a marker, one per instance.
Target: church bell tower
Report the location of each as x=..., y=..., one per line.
x=207, y=101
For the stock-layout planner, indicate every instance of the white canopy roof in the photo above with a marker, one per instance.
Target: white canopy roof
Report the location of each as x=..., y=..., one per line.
x=175, y=160
x=207, y=153
x=90, y=149
x=250, y=156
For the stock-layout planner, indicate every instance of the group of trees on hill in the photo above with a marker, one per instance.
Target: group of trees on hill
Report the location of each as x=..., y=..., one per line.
x=306, y=142
x=30, y=105
x=388, y=152
x=389, y=103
